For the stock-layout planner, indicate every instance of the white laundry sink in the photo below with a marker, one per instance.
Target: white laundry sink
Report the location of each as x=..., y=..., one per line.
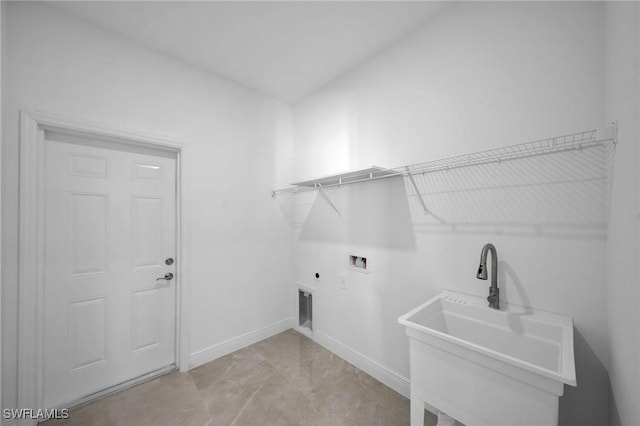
x=483, y=366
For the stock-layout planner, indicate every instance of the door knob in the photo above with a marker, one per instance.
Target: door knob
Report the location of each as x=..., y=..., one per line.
x=168, y=276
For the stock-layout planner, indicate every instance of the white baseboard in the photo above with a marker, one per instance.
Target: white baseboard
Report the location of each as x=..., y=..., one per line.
x=395, y=381
x=224, y=348
x=303, y=330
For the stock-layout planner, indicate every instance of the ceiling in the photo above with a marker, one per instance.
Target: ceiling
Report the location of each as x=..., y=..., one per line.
x=284, y=49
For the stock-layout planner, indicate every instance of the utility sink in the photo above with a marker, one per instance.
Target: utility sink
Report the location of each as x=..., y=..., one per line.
x=482, y=366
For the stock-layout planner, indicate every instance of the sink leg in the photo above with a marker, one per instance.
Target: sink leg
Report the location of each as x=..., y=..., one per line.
x=445, y=420
x=417, y=411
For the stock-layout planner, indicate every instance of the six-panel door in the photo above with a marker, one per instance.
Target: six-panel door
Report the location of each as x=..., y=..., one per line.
x=109, y=227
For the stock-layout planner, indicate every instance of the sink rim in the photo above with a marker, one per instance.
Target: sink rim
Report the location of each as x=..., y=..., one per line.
x=566, y=374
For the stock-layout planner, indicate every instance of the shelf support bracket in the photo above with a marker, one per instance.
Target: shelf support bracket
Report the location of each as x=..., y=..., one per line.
x=608, y=133
x=415, y=188
x=326, y=197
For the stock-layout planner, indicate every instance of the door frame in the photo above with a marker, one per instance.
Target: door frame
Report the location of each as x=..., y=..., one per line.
x=33, y=125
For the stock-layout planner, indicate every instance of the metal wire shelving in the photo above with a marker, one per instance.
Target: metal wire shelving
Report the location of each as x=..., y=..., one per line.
x=540, y=147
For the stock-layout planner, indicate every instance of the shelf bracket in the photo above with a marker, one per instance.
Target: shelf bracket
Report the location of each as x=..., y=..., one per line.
x=608, y=133
x=326, y=197
x=415, y=187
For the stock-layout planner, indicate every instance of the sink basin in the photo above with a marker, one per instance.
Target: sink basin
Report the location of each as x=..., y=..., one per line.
x=482, y=366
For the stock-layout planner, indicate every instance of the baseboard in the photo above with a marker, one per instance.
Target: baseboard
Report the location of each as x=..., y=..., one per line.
x=224, y=348
x=390, y=378
x=303, y=330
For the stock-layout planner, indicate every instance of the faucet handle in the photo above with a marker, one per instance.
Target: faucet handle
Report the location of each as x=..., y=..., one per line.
x=493, y=299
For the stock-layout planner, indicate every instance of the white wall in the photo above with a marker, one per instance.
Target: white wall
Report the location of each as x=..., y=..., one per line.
x=622, y=97
x=239, y=241
x=477, y=76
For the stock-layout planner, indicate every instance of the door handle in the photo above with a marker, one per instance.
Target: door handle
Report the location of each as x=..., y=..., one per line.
x=168, y=276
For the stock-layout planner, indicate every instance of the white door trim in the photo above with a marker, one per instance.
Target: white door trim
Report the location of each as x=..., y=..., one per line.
x=31, y=240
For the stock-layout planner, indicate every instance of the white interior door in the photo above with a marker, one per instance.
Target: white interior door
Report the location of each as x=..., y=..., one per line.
x=109, y=228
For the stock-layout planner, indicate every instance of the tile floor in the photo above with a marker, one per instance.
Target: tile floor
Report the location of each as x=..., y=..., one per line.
x=287, y=379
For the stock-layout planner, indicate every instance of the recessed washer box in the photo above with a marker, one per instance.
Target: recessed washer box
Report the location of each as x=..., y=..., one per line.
x=358, y=263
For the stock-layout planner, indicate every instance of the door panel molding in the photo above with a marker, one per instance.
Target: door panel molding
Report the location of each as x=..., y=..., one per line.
x=33, y=125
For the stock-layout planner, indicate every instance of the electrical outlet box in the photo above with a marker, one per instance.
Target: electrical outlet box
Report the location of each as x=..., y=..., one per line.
x=342, y=281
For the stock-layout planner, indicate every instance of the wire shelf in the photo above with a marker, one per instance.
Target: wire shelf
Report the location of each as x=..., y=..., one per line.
x=539, y=147
x=552, y=145
x=339, y=179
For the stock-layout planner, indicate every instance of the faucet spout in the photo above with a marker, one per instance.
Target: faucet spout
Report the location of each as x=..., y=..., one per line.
x=494, y=291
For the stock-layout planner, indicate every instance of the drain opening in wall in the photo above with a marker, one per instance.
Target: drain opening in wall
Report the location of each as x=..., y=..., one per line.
x=305, y=309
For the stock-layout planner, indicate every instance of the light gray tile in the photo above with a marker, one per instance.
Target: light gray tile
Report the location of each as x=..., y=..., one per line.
x=287, y=379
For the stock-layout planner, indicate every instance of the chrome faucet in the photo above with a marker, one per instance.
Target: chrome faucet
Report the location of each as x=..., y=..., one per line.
x=494, y=292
